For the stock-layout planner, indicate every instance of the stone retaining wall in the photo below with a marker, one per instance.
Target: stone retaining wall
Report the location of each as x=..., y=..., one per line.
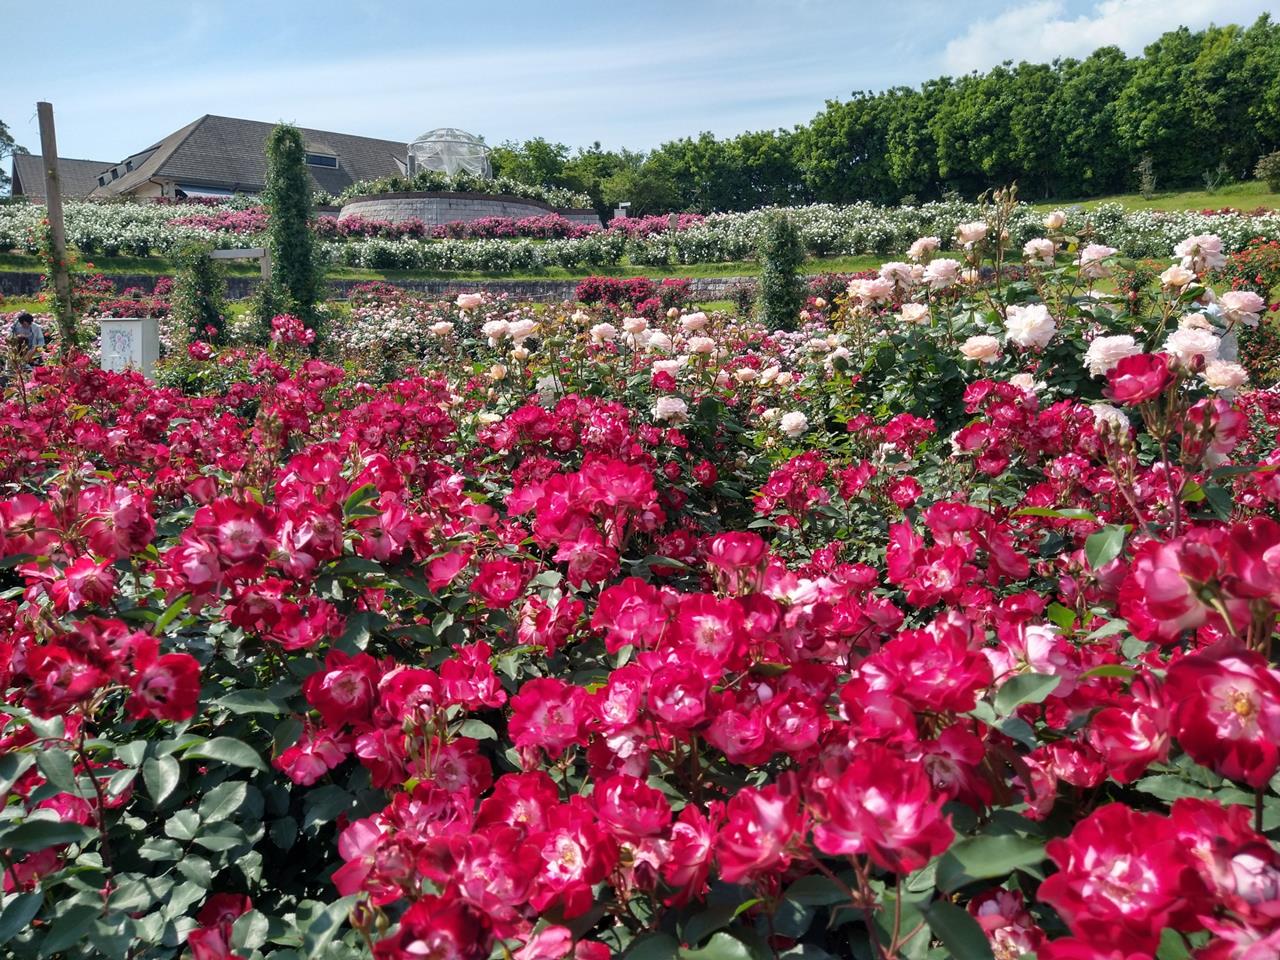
x=436, y=208
x=538, y=291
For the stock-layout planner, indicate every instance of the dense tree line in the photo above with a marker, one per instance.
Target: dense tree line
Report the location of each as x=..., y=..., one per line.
x=1194, y=103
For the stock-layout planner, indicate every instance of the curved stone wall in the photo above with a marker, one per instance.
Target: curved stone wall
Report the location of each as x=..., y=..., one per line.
x=434, y=209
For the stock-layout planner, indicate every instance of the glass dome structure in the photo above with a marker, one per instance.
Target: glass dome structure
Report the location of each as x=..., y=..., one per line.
x=450, y=151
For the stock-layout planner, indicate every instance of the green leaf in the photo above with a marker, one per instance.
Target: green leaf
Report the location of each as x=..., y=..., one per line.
x=226, y=750
x=223, y=801
x=701, y=925
x=18, y=911
x=68, y=927
x=355, y=505
x=721, y=946
x=1110, y=670
x=161, y=775
x=982, y=858
x=249, y=931
x=320, y=922
x=323, y=804
x=477, y=730
x=654, y=946
x=58, y=768
x=1105, y=545
x=1067, y=513
x=816, y=890
x=171, y=613
x=182, y=826
x=958, y=931
x=39, y=834
x=1024, y=688
x=250, y=701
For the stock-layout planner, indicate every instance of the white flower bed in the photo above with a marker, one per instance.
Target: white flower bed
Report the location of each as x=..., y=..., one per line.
x=141, y=229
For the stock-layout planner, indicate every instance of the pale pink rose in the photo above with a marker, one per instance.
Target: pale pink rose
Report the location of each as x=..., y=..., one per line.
x=495, y=330
x=793, y=424
x=1224, y=375
x=1201, y=252
x=1092, y=261
x=1241, y=306
x=634, y=325
x=940, y=274
x=693, y=322
x=971, y=233
x=1176, y=277
x=441, y=328
x=915, y=314
x=982, y=347
x=670, y=410
x=701, y=345
x=469, y=301
x=603, y=333
x=1055, y=220
x=872, y=290
x=1041, y=249
x=1030, y=327
x=901, y=275
x=923, y=247
x=1105, y=352
x=522, y=330
x=1190, y=345
x=1027, y=382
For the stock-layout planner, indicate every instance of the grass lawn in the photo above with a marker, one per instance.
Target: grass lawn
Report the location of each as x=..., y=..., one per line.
x=1242, y=196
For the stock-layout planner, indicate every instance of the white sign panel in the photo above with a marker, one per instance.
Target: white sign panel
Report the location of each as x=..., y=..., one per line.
x=130, y=344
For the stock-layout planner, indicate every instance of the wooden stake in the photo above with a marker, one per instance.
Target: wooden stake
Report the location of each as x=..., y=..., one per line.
x=57, y=232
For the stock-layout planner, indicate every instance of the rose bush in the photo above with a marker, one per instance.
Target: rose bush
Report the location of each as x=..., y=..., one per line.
x=571, y=635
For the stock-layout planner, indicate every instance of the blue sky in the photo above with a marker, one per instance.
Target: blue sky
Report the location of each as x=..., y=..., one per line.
x=122, y=75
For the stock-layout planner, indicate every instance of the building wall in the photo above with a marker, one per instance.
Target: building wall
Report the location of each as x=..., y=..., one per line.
x=434, y=209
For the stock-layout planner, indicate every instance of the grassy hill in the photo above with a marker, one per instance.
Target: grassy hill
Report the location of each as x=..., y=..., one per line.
x=1241, y=196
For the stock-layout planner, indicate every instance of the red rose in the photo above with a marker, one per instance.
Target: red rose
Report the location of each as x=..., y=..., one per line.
x=168, y=688
x=1139, y=378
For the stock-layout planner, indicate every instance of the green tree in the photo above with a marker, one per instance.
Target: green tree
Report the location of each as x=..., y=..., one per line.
x=199, y=294
x=7, y=149
x=294, y=264
x=781, y=291
x=1083, y=124
x=845, y=150
x=536, y=161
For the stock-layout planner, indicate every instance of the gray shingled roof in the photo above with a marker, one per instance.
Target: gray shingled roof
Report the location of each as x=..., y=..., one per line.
x=79, y=177
x=229, y=153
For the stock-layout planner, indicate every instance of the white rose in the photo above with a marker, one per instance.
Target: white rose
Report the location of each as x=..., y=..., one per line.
x=1188, y=345
x=1194, y=321
x=670, y=410
x=793, y=424
x=923, y=247
x=1105, y=413
x=982, y=347
x=1055, y=220
x=580, y=318
x=1030, y=327
x=914, y=314
x=1224, y=375
x=1105, y=352
x=1027, y=382
x=971, y=233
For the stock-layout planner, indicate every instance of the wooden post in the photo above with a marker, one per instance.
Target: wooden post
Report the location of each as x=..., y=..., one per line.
x=57, y=231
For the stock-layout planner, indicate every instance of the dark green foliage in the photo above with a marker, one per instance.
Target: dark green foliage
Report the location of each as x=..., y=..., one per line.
x=267, y=302
x=288, y=200
x=1071, y=128
x=199, y=294
x=1268, y=169
x=781, y=296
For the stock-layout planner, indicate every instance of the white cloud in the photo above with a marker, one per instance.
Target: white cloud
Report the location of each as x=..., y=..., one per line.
x=1042, y=30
